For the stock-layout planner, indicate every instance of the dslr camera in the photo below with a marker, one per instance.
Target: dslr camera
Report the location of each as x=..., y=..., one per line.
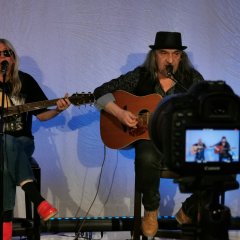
x=208, y=112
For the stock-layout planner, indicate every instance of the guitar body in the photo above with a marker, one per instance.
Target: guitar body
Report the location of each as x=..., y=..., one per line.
x=197, y=148
x=114, y=134
x=194, y=150
x=218, y=149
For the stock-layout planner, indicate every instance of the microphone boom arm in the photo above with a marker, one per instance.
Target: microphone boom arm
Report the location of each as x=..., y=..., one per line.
x=177, y=82
x=169, y=69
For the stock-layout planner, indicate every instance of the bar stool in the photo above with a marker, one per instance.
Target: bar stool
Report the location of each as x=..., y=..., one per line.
x=30, y=226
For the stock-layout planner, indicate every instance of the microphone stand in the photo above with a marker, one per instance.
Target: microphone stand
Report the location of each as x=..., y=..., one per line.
x=171, y=75
x=2, y=153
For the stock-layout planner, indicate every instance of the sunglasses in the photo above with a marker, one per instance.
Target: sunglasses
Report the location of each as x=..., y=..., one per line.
x=6, y=53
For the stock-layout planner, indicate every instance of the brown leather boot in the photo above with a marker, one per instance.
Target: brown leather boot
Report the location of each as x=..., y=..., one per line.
x=182, y=218
x=150, y=223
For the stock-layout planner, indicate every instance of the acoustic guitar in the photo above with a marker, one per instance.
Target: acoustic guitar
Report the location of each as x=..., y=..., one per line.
x=196, y=149
x=114, y=134
x=220, y=149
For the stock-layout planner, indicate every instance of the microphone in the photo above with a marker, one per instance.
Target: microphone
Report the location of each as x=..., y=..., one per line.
x=169, y=69
x=4, y=66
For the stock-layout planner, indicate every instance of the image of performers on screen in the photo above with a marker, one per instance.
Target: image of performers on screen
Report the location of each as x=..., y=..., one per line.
x=198, y=150
x=223, y=148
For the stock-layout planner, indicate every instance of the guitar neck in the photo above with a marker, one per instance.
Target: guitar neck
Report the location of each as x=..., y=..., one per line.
x=14, y=110
x=76, y=99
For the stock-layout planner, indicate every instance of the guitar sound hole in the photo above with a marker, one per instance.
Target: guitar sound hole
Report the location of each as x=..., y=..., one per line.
x=142, y=126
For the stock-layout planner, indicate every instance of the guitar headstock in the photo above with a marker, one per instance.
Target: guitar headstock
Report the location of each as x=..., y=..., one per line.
x=81, y=98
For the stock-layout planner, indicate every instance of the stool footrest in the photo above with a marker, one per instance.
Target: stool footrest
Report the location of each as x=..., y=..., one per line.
x=22, y=226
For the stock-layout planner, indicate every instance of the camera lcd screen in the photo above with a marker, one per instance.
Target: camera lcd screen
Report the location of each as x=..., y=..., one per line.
x=212, y=146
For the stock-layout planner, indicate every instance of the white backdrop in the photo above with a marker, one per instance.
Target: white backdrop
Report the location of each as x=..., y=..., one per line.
x=76, y=45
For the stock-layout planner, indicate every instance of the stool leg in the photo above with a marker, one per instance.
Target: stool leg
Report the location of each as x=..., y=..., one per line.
x=36, y=217
x=137, y=215
x=137, y=232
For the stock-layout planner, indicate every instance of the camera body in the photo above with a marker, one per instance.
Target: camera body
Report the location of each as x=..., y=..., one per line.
x=208, y=112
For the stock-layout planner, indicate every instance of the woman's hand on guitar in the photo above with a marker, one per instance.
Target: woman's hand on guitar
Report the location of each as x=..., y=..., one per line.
x=63, y=103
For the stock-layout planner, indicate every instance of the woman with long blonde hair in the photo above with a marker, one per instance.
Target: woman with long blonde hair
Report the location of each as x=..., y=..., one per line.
x=17, y=142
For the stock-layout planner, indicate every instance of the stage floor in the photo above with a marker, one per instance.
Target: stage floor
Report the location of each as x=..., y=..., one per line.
x=233, y=235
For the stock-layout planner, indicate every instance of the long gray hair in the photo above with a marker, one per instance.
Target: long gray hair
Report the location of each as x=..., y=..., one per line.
x=183, y=70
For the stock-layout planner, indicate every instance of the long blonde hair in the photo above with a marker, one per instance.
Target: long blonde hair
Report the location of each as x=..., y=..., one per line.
x=14, y=76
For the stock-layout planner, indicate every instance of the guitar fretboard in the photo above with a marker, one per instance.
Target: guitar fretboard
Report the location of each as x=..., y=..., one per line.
x=76, y=99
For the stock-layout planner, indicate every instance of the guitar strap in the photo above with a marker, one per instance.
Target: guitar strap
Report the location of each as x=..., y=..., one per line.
x=17, y=100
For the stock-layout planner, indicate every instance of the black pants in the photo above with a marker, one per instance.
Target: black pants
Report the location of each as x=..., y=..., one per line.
x=225, y=155
x=147, y=170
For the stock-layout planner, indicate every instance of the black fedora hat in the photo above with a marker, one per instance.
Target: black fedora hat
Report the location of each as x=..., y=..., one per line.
x=168, y=40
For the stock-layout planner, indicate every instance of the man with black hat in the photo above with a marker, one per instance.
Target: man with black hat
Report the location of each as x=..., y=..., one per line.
x=166, y=70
